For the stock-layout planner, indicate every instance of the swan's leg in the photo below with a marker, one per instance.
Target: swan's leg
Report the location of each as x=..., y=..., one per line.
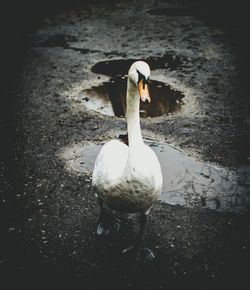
x=138, y=242
x=143, y=221
x=142, y=252
x=108, y=223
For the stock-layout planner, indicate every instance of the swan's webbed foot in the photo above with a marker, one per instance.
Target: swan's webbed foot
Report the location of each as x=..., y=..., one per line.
x=108, y=224
x=145, y=254
x=141, y=253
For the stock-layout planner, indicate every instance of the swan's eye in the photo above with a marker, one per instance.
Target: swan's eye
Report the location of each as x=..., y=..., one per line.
x=142, y=78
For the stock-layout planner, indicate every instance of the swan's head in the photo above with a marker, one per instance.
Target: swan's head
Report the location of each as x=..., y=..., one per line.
x=139, y=73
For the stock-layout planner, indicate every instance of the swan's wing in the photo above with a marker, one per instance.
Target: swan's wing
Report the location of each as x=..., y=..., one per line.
x=109, y=164
x=156, y=168
x=149, y=168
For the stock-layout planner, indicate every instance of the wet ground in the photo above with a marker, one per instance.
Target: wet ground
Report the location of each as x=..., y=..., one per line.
x=64, y=108
x=186, y=181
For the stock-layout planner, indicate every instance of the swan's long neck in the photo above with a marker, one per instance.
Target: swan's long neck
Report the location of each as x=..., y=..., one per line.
x=133, y=116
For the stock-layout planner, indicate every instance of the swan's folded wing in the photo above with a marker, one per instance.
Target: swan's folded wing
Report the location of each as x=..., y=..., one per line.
x=110, y=164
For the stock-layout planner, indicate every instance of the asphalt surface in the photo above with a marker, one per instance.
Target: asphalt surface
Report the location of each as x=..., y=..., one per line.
x=48, y=210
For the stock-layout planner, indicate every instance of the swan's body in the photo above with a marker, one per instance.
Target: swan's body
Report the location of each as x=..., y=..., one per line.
x=129, y=178
x=127, y=181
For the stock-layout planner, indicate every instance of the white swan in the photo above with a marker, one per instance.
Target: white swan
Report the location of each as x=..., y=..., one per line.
x=129, y=178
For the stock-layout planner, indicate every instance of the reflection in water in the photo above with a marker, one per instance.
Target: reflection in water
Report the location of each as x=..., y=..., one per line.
x=120, y=67
x=110, y=99
x=185, y=181
x=173, y=11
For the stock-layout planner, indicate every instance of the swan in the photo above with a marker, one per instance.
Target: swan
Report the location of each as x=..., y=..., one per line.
x=128, y=178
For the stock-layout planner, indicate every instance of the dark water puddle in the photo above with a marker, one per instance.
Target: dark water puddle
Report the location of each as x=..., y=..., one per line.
x=110, y=99
x=63, y=41
x=172, y=11
x=60, y=40
x=120, y=67
x=186, y=182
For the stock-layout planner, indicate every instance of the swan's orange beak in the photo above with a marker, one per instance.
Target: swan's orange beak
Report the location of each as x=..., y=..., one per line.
x=143, y=91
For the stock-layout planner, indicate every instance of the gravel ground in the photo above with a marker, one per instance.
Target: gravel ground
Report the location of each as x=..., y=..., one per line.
x=49, y=212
